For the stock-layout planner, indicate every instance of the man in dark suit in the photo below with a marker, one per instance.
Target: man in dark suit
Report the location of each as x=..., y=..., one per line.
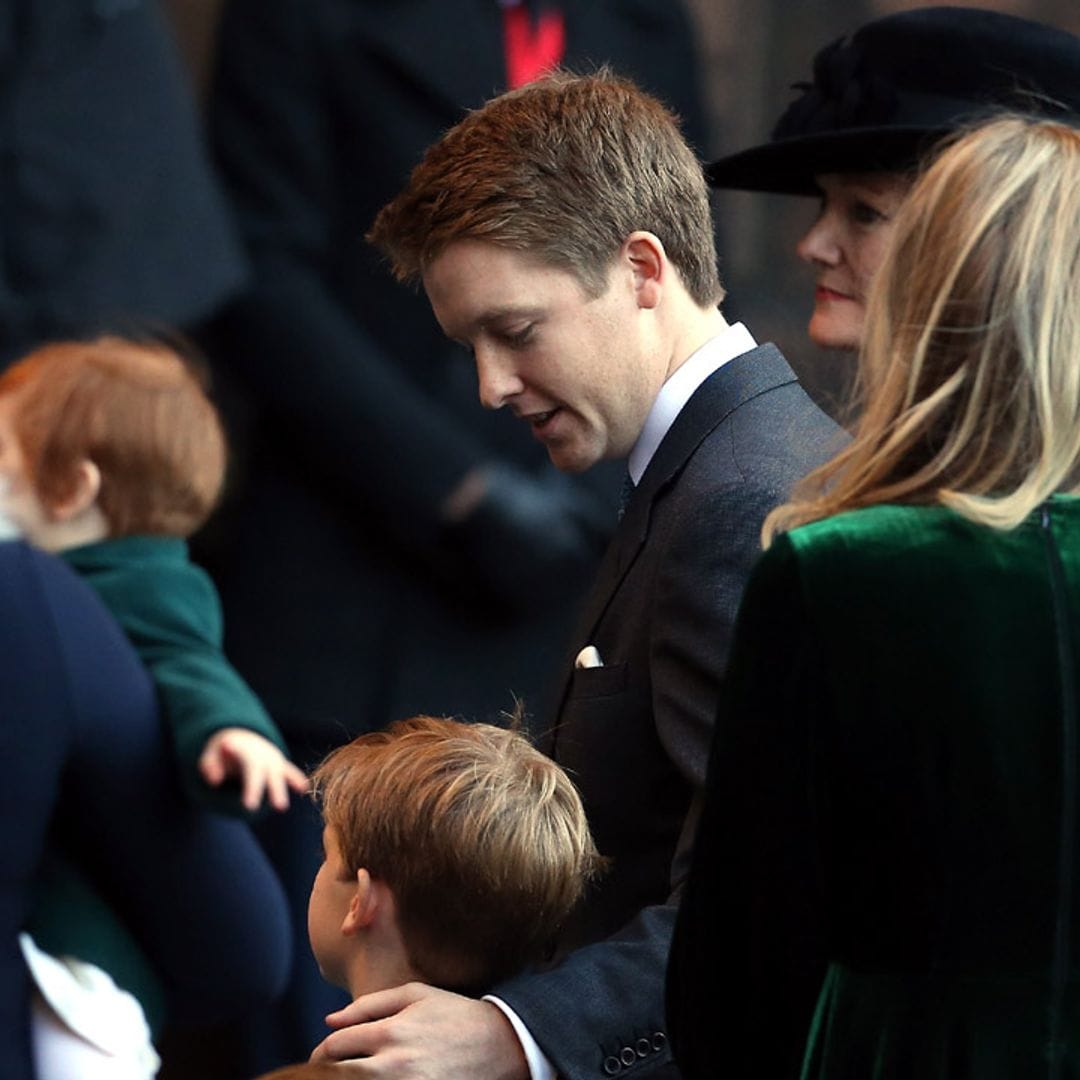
x=563, y=234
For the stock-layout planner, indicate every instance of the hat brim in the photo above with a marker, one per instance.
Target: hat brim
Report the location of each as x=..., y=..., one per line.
x=788, y=166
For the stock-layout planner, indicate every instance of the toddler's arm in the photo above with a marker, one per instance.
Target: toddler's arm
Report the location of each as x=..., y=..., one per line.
x=260, y=766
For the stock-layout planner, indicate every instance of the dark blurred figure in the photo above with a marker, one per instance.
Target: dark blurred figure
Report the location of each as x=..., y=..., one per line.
x=109, y=212
x=110, y=217
x=392, y=548
x=173, y=891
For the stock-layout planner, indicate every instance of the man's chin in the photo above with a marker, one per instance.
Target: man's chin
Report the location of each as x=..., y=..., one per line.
x=571, y=459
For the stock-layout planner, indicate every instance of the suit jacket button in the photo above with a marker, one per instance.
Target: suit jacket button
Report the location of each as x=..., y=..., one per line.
x=612, y=1066
x=628, y=1057
x=659, y=1040
x=644, y=1048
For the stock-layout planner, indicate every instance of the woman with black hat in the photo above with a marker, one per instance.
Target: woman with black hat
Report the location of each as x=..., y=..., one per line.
x=886, y=881
x=877, y=105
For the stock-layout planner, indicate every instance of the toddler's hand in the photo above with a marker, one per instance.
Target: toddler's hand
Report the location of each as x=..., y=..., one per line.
x=261, y=766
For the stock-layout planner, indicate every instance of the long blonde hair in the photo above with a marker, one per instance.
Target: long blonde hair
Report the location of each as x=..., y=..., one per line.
x=970, y=370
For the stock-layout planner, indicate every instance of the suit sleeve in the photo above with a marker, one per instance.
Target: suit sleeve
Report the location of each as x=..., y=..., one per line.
x=747, y=957
x=712, y=546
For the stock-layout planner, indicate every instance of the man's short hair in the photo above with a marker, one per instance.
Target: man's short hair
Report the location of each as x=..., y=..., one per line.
x=481, y=838
x=139, y=412
x=565, y=169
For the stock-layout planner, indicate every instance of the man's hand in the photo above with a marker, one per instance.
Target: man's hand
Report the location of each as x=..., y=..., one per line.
x=261, y=767
x=415, y=1032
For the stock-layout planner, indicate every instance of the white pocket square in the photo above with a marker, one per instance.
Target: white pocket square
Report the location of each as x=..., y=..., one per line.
x=588, y=657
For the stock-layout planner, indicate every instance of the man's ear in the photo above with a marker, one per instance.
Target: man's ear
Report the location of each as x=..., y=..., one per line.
x=364, y=905
x=83, y=495
x=649, y=263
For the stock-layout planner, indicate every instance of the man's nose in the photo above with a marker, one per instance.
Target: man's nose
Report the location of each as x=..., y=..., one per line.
x=498, y=380
x=818, y=246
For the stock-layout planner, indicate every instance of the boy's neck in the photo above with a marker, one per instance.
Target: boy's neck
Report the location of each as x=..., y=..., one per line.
x=379, y=966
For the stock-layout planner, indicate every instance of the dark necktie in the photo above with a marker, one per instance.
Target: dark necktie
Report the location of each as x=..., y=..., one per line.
x=624, y=494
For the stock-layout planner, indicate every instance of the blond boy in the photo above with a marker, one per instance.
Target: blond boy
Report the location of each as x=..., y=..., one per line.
x=453, y=854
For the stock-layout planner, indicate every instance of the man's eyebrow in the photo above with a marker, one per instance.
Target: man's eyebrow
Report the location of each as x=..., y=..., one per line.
x=462, y=333
x=503, y=311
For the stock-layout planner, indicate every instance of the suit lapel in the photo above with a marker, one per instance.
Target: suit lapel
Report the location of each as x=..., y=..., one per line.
x=739, y=380
x=729, y=387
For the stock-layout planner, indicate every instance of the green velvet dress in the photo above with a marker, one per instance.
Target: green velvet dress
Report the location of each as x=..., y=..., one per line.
x=884, y=884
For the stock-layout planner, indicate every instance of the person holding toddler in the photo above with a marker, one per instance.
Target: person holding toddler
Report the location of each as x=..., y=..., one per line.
x=111, y=454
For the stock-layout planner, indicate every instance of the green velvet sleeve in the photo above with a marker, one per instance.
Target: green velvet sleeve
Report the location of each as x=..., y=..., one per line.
x=748, y=955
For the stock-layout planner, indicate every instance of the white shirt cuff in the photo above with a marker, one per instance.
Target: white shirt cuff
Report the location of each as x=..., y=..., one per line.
x=539, y=1066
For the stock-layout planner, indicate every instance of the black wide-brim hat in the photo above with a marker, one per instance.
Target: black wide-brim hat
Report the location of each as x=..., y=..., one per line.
x=881, y=100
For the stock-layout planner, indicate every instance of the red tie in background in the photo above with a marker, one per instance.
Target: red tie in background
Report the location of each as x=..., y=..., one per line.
x=531, y=50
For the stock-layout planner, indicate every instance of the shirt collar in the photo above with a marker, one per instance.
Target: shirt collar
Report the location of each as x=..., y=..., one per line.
x=679, y=389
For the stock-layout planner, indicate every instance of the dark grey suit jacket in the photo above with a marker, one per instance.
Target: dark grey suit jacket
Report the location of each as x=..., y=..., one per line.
x=635, y=733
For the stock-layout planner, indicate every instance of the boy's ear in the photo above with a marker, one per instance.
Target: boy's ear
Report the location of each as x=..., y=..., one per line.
x=363, y=906
x=83, y=494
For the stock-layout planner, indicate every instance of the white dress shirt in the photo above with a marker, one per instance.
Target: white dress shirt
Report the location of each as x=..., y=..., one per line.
x=680, y=388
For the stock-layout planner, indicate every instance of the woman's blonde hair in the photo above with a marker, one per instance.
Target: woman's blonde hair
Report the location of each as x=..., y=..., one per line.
x=970, y=370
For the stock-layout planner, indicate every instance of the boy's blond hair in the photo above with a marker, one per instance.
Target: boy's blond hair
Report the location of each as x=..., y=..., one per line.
x=139, y=412
x=481, y=838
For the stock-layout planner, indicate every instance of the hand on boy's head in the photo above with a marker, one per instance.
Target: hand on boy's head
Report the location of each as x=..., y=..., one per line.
x=418, y=1032
x=259, y=765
